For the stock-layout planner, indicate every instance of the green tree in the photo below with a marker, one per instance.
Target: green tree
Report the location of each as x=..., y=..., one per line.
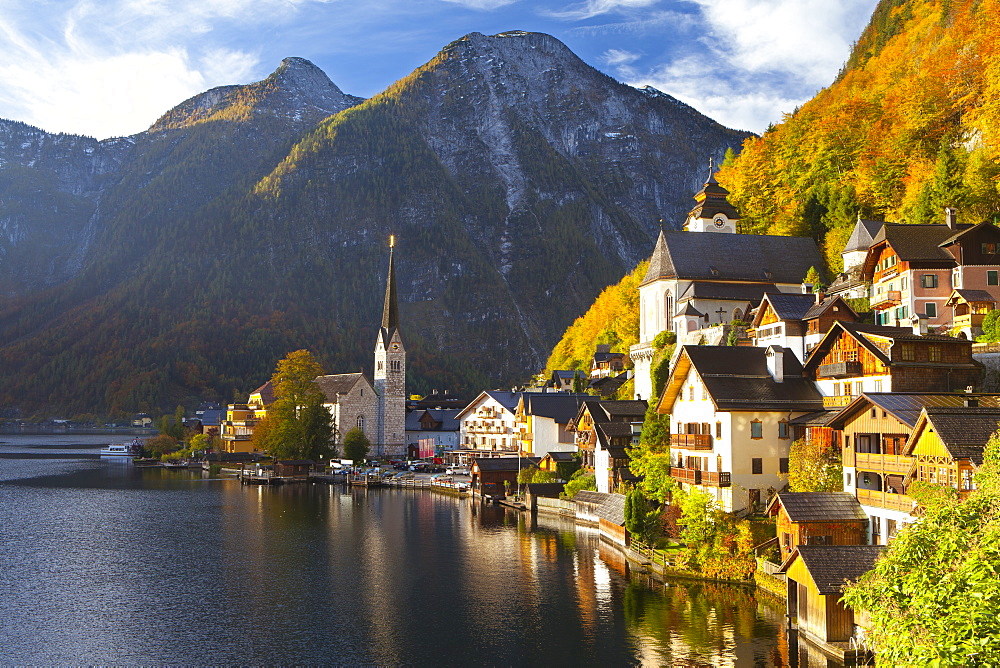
x=991, y=328
x=641, y=519
x=934, y=596
x=533, y=474
x=356, y=445
x=565, y=470
x=813, y=467
x=297, y=426
x=581, y=480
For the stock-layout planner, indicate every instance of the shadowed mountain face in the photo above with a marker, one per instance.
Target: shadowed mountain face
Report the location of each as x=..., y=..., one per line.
x=252, y=220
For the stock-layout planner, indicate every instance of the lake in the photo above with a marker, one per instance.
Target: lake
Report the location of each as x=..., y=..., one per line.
x=103, y=563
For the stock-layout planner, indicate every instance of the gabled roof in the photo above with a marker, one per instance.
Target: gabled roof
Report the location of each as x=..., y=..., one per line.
x=954, y=238
x=339, y=384
x=787, y=305
x=864, y=334
x=907, y=406
x=505, y=463
x=818, y=507
x=831, y=566
x=608, y=385
x=741, y=257
x=963, y=431
x=970, y=296
x=558, y=406
x=737, y=379
x=266, y=392
x=863, y=235
x=829, y=302
x=618, y=408
x=914, y=243
x=606, y=431
x=610, y=507
x=508, y=400
x=737, y=292
x=447, y=417
x=560, y=456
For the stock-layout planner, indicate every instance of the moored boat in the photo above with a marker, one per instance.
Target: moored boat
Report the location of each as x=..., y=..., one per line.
x=132, y=449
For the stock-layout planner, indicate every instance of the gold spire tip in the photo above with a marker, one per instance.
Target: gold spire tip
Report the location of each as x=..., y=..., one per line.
x=392, y=241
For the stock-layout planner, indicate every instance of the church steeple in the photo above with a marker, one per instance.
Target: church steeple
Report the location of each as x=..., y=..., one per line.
x=713, y=212
x=390, y=311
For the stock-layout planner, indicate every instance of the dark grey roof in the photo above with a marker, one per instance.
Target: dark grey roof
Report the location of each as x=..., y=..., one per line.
x=819, y=309
x=337, y=384
x=964, y=431
x=906, y=406
x=863, y=235
x=820, y=507
x=558, y=456
x=550, y=490
x=975, y=295
x=446, y=416
x=740, y=257
x=737, y=379
x=607, y=506
x=506, y=399
x=830, y=566
x=618, y=408
x=915, y=243
x=816, y=419
x=560, y=407
x=738, y=292
x=691, y=310
x=608, y=385
x=791, y=306
x=590, y=497
x=506, y=463
x=615, y=429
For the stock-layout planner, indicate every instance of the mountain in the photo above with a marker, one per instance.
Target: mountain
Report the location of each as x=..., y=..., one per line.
x=252, y=220
x=910, y=125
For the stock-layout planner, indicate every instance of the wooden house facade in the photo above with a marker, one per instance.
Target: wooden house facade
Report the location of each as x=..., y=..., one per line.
x=816, y=576
x=817, y=518
x=947, y=445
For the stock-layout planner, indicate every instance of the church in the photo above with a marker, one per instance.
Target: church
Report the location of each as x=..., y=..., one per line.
x=708, y=274
x=378, y=408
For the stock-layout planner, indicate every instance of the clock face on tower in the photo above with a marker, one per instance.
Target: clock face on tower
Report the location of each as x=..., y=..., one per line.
x=719, y=221
x=395, y=346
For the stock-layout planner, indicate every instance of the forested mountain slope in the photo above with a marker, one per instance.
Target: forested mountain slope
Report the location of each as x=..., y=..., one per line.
x=911, y=125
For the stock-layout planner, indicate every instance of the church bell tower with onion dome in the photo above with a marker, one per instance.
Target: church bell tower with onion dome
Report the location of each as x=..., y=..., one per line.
x=390, y=373
x=713, y=212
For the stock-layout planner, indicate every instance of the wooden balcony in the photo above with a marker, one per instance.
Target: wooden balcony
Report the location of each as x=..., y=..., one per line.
x=840, y=370
x=971, y=320
x=699, y=477
x=837, y=402
x=691, y=441
x=900, y=502
x=899, y=464
x=887, y=300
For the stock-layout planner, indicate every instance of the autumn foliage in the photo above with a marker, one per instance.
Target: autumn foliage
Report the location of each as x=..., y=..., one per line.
x=911, y=125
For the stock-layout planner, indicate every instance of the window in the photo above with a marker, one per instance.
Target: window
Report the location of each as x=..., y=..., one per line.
x=878, y=385
x=929, y=281
x=819, y=540
x=874, y=413
x=361, y=422
x=783, y=465
x=858, y=387
x=930, y=309
x=933, y=353
x=756, y=429
x=992, y=277
x=847, y=479
x=990, y=249
x=902, y=283
x=718, y=430
x=783, y=429
x=906, y=352
x=756, y=465
x=876, y=530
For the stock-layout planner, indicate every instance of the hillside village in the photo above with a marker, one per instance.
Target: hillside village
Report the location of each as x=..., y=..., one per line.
x=879, y=370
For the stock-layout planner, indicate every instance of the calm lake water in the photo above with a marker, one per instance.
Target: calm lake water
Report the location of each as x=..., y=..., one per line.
x=102, y=563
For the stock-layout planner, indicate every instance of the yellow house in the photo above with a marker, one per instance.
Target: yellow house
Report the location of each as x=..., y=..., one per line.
x=947, y=444
x=816, y=578
x=237, y=429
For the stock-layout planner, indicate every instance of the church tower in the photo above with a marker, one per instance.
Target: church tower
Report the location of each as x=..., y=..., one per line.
x=713, y=213
x=390, y=373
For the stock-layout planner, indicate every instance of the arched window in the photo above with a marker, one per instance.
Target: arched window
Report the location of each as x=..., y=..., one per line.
x=668, y=310
x=361, y=422
x=737, y=314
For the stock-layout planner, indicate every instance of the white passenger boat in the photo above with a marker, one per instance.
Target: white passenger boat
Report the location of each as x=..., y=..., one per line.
x=133, y=449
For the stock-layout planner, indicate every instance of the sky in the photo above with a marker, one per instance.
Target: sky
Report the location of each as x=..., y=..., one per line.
x=107, y=68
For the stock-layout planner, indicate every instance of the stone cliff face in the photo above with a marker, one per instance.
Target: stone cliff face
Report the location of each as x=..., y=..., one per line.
x=519, y=181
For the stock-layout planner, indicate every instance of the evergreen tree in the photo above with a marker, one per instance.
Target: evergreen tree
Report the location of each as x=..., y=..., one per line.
x=356, y=445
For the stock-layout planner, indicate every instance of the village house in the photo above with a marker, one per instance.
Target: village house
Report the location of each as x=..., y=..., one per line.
x=851, y=283
x=433, y=429
x=797, y=322
x=817, y=575
x=603, y=429
x=488, y=427
x=606, y=364
x=236, y=430
x=969, y=307
x=543, y=420
x=914, y=268
x=817, y=518
x=947, y=444
x=708, y=274
x=497, y=476
x=730, y=409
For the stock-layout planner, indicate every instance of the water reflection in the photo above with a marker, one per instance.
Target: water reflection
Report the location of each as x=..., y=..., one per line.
x=109, y=564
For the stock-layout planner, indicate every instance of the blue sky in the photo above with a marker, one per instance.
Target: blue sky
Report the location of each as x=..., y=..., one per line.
x=111, y=67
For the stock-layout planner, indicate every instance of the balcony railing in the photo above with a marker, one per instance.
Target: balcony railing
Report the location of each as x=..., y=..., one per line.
x=837, y=402
x=884, y=463
x=968, y=320
x=900, y=502
x=699, y=477
x=840, y=370
x=887, y=299
x=691, y=441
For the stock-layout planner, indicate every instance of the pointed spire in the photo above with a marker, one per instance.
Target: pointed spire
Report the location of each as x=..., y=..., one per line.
x=390, y=311
x=711, y=172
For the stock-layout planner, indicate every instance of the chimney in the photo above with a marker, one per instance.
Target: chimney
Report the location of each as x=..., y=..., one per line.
x=820, y=296
x=950, y=215
x=919, y=323
x=776, y=362
x=807, y=288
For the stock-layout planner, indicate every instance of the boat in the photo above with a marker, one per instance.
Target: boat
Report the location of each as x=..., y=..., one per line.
x=132, y=449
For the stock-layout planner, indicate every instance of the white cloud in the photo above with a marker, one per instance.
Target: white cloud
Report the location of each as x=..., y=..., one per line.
x=619, y=57
x=592, y=8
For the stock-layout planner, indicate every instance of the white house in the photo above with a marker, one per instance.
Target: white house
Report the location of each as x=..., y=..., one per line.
x=488, y=426
x=729, y=409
